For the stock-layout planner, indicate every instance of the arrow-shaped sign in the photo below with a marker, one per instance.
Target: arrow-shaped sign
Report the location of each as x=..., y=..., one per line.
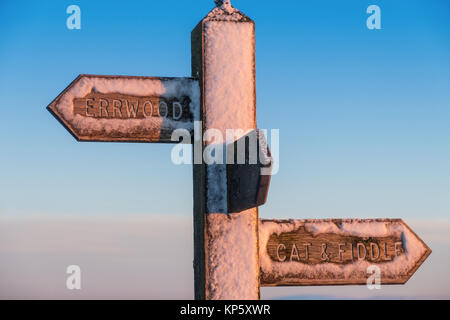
x=127, y=109
x=338, y=252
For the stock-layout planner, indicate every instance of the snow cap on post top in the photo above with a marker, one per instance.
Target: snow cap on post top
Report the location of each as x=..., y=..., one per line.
x=224, y=11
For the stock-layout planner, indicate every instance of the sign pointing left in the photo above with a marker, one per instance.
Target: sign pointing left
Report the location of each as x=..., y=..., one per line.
x=338, y=251
x=127, y=109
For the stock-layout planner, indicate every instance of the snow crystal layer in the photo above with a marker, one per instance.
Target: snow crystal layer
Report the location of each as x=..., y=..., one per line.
x=135, y=86
x=229, y=78
x=229, y=98
x=399, y=266
x=229, y=91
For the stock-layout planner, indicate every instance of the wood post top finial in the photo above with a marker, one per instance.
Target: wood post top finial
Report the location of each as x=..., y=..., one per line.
x=221, y=3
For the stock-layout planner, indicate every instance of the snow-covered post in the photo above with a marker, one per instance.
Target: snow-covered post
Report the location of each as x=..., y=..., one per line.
x=226, y=258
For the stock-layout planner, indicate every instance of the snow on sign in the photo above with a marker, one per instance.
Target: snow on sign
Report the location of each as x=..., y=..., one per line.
x=338, y=252
x=129, y=109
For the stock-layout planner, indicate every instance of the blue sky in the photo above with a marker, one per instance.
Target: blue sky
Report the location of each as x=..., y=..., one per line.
x=363, y=114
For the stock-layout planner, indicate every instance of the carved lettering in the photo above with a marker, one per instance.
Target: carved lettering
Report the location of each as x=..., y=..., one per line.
x=119, y=106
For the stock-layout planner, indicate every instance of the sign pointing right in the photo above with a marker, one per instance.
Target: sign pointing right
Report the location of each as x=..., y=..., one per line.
x=338, y=252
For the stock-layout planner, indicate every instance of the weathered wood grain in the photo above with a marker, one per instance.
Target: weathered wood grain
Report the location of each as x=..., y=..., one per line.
x=305, y=247
x=301, y=255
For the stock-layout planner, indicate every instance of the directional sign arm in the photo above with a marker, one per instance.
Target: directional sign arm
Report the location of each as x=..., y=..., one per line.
x=127, y=109
x=338, y=252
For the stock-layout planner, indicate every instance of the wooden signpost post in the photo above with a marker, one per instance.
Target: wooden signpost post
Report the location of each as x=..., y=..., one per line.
x=234, y=252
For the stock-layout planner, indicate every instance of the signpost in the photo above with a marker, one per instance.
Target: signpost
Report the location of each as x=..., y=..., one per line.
x=234, y=252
